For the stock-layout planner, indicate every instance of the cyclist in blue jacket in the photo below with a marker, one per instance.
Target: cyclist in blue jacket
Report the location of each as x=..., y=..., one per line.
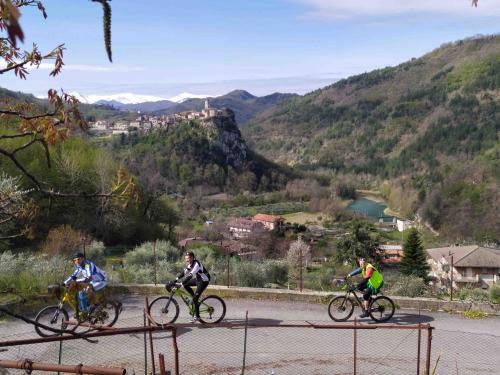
x=86, y=272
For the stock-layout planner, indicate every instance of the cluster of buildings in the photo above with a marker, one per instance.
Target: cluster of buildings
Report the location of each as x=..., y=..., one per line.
x=458, y=265
x=244, y=227
x=146, y=123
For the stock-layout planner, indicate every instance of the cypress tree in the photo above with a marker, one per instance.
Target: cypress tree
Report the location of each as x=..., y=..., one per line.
x=414, y=261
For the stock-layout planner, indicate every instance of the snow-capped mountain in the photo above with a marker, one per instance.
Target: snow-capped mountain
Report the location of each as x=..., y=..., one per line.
x=131, y=98
x=187, y=95
x=124, y=98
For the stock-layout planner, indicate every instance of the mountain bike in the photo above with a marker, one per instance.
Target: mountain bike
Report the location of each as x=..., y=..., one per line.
x=340, y=308
x=165, y=309
x=102, y=311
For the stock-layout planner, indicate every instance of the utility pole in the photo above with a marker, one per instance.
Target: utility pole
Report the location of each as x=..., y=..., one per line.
x=154, y=259
x=451, y=276
x=300, y=257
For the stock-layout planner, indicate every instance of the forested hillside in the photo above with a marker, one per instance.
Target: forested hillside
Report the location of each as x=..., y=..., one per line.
x=210, y=156
x=429, y=128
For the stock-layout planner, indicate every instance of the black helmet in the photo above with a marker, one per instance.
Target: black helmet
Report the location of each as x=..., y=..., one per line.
x=78, y=254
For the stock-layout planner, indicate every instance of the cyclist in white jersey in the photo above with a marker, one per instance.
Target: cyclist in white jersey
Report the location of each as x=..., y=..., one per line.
x=195, y=274
x=86, y=272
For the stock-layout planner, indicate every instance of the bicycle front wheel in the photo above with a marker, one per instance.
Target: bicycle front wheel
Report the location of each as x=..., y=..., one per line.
x=340, y=308
x=164, y=312
x=212, y=309
x=382, y=309
x=53, y=317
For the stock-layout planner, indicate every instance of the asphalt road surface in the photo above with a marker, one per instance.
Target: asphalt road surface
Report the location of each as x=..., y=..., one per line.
x=459, y=345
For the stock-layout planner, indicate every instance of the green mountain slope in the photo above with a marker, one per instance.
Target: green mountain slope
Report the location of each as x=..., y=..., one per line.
x=210, y=155
x=428, y=123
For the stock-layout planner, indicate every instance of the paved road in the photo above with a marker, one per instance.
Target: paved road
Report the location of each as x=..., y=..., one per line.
x=463, y=346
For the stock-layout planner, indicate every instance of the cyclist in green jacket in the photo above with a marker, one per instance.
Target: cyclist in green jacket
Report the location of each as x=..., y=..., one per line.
x=371, y=284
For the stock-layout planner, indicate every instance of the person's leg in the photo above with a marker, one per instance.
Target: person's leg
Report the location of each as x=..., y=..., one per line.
x=200, y=287
x=188, y=286
x=96, y=286
x=366, y=300
x=83, y=302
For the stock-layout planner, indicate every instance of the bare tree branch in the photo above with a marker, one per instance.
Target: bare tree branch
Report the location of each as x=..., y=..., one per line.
x=24, y=116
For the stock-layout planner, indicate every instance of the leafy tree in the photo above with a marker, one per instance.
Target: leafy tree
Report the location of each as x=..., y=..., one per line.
x=298, y=253
x=414, y=261
x=361, y=239
x=25, y=124
x=16, y=209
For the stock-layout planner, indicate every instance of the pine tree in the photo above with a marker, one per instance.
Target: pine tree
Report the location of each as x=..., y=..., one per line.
x=414, y=261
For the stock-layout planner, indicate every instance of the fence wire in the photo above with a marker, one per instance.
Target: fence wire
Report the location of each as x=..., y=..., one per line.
x=271, y=349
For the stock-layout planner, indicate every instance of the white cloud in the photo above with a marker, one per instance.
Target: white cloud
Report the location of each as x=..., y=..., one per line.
x=345, y=9
x=125, y=98
x=187, y=95
x=89, y=68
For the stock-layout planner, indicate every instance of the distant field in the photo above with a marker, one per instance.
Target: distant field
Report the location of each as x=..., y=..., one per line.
x=304, y=217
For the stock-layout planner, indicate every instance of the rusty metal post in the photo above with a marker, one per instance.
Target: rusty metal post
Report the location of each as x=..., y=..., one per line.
x=228, y=263
x=146, y=312
x=418, y=348
x=161, y=359
x=300, y=277
x=145, y=347
x=428, y=354
x=355, y=345
x=30, y=366
x=154, y=260
x=451, y=276
x=176, y=351
x=245, y=344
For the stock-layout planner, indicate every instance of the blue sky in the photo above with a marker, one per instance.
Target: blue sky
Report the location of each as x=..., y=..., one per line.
x=164, y=47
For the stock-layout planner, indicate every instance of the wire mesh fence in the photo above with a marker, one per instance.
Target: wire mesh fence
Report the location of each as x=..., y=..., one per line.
x=268, y=346
x=456, y=352
x=299, y=348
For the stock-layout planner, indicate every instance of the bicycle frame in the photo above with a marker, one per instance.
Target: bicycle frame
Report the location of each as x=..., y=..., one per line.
x=185, y=296
x=70, y=296
x=353, y=292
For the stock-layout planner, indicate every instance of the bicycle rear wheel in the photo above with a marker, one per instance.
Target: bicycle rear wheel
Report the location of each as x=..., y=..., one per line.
x=212, y=309
x=340, y=308
x=53, y=317
x=163, y=314
x=382, y=309
x=105, y=313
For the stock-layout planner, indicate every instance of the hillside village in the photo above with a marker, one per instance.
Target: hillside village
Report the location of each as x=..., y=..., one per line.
x=460, y=266
x=145, y=123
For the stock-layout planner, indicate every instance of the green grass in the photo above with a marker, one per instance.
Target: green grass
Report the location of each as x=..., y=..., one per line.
x=304, y=217
x=475, y=314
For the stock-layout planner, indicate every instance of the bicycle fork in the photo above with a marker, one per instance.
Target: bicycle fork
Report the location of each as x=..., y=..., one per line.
x=56, y=313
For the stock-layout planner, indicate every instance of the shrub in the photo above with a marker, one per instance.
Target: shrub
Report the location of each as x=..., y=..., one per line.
x=409, y=286
x=16, y=271
x=250, y=274
x=95, y=252
x=276, y=271
x=143, y=254
x=62, y=240
x=473, y=294
x=320, y=280
x=495, y=294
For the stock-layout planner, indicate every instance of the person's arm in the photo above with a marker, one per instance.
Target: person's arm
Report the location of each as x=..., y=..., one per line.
x=357, y=271
x=86, y=274
x=181, y=275
x=72, y=277
x=192, y=272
